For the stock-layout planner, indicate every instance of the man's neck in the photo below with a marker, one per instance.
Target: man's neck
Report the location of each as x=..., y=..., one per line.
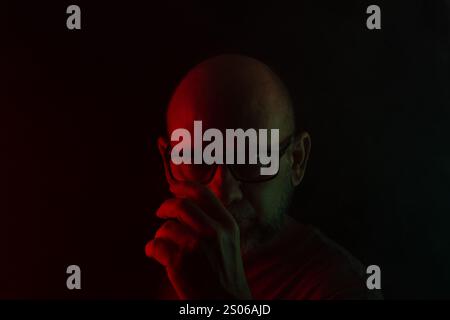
x=288, y=226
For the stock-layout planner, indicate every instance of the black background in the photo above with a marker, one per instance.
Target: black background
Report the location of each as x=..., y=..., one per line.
x=80, y=176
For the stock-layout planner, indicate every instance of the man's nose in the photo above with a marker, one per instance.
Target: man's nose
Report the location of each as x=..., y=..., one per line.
x=225, y=186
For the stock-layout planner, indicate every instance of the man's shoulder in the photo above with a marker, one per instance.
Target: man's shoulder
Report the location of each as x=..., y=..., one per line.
x=334, y=253
x=333, y=272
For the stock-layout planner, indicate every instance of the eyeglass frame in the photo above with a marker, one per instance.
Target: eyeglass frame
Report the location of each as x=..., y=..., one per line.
x=284, y=145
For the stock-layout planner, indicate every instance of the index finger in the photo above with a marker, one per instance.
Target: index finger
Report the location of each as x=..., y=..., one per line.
x=198, y=193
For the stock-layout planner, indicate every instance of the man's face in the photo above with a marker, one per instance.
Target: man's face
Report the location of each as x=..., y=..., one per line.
x=258, y=207
x=261, y=208
x=231, y=92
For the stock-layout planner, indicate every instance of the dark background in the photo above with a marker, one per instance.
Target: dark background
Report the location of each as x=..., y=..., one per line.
x=80, y=176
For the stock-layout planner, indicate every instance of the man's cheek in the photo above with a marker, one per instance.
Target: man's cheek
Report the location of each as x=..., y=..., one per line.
x=260, y=197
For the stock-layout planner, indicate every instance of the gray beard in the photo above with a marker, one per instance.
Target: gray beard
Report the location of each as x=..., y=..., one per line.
x=254, y=229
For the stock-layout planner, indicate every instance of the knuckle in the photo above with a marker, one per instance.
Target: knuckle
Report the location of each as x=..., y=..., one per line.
x=166, y=205
x=165, y=228
x=159, y=233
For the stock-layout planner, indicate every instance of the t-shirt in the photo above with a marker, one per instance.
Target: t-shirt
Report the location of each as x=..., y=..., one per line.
x=301, y=264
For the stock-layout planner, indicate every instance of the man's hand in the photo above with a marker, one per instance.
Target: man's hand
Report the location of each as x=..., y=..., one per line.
x=199, y=244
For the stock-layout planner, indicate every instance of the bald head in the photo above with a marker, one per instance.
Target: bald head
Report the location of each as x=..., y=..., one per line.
x=237, y=92
x=231, y=91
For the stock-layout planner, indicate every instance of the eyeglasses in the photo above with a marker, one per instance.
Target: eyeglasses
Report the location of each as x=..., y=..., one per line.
x=204, y=173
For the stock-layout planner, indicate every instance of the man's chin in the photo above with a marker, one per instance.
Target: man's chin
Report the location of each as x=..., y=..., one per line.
x=253, y=231
x=252, y=237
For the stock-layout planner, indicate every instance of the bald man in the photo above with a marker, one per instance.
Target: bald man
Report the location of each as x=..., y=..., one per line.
x=226, y=232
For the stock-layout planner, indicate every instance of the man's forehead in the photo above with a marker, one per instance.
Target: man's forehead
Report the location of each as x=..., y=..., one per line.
x=230, y=92
x=233, y=119
x=216, y=117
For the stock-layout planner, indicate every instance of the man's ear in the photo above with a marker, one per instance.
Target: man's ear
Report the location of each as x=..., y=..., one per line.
x=300, y=154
